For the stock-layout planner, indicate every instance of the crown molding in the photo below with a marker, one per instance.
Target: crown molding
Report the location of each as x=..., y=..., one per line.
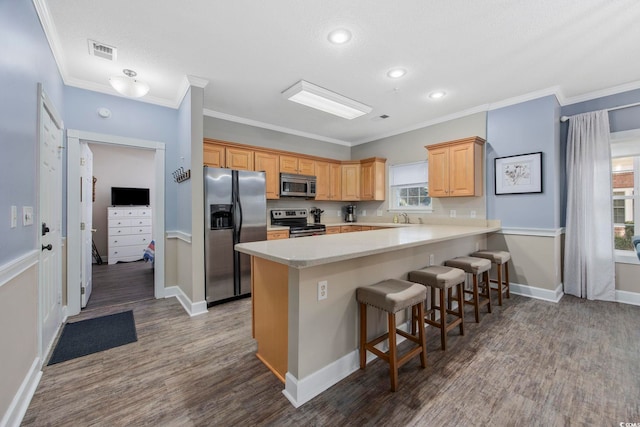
x=602, y=93
x=52, y=36
x=551, y=91
x=242, y=120
x=197, y=81
x=108, y=90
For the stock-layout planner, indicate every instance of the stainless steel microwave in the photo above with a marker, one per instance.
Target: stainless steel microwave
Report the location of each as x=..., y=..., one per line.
x=297, y=186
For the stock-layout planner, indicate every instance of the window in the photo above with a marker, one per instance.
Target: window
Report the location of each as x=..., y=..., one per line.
x=625, y=179
x=408, y=187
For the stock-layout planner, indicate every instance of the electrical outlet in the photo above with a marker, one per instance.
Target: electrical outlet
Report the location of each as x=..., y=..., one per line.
x=323, y=290
x=432, y=260
x=338, y=213
x=27, y=215
x=364, y=212
x=452, y=213
x=473, y=214
x=379, y=212
x=14, y=216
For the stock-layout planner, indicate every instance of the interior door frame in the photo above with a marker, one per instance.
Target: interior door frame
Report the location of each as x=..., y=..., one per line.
x=73, y=214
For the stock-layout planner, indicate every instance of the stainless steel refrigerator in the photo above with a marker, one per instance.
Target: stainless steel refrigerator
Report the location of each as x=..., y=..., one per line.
x=235, y=212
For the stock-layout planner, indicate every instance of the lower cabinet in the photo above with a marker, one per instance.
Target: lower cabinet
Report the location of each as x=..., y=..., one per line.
x=333, y=229
x=277, y=234
x=129, y=232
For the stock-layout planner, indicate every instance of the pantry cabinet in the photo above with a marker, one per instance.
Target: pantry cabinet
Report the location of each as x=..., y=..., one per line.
x=456, y=168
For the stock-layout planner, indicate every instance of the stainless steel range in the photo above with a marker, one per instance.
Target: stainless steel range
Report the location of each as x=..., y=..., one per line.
x=296, y=220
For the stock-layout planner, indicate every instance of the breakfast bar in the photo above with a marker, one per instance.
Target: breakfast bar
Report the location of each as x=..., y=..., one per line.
x=305, y=315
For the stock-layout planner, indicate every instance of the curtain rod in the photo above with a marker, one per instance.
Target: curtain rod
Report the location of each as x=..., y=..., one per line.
x=565, y=118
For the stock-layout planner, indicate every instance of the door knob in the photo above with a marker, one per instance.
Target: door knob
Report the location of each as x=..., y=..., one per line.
x=45, y=229
x=48, y=247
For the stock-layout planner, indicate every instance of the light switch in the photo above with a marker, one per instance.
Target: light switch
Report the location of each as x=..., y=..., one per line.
x=27, y=215
x=14, y=216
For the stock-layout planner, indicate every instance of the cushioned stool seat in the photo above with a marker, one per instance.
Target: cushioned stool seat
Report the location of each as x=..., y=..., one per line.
x=392, y=295
x=475, y=266
x=442, y=278
x=500, y=259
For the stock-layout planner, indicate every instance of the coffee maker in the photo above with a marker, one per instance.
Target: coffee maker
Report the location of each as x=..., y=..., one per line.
x=350, y=213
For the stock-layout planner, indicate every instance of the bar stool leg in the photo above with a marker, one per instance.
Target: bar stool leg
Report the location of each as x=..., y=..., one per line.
x=488, y=289
x=422, y=337
x=460, y=300
x=393, y=355
x=476, y=298
x=499, y=284
x=506, y=278
x=443, y=321
x=363, y=335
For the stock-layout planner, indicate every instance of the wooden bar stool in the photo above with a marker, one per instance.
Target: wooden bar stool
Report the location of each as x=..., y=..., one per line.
x=444, y=279
x=500, y=259
x=475, y=266
x=392, y=296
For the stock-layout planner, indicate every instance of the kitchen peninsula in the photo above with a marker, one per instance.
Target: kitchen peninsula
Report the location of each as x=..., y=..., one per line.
x=305, y=315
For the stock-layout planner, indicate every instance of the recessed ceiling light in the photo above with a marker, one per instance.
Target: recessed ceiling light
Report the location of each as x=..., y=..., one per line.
x=396, y=73
x=339, y=36
x=437, y=94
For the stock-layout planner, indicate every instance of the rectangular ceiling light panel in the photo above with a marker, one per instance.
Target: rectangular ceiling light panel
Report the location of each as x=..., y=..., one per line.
x=313, y=96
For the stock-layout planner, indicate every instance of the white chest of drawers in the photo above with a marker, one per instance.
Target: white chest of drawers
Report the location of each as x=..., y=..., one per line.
x=129, y=232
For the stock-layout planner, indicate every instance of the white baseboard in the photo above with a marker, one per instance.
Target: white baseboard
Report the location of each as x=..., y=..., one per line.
x=537, y=293
x=301, y=391
x=20, y=403
x=626, y=297
x=193, y=309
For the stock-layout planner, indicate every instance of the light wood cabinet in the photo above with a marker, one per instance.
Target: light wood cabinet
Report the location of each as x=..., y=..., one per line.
x=329, y=178
x=373, y=179
x=214, y=155
x=335, y=229
x=239, y=158
x=366, y=228
x=297, y=165
x=351, y=181
x=306, y=166
x=277, y=234
x=456, y=168
x=269, y=163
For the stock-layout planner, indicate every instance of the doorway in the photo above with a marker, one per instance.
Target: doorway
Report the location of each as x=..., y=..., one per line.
x=74, y=238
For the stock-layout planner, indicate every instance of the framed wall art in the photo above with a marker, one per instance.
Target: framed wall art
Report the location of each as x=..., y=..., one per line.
x=519, y=174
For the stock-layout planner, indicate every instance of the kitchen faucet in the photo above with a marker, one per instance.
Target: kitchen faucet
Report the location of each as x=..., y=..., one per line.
x=406, y=217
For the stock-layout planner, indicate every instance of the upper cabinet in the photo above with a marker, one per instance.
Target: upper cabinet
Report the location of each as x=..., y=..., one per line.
x=269, y=163
x=456, y=168
x=239, y=158
x=214, y=155
x=372, y=179
x=297, y=165
x=329, y=179
x=351, y=181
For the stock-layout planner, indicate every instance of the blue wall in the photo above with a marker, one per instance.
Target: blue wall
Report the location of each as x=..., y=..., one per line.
x=25, y=60
x=520, y=129
x=129, y=118
x=620, y=120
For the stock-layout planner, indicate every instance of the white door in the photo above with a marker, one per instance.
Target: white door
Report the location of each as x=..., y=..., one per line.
x=50, y=226
x=86, y=212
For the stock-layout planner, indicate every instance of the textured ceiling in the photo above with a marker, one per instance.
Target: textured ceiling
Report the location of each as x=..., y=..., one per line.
x=479, y=52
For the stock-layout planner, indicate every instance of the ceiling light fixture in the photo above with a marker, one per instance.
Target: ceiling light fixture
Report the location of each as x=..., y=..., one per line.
x=313, y=96
x=437, y=94
x=396, y=73
x=127, y=85
x=339, y=36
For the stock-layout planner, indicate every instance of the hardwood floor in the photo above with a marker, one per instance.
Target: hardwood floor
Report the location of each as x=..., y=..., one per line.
x=530, y=362
x=120, y=283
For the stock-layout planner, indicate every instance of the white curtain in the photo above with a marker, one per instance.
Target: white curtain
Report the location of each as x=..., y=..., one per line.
x=589, y=254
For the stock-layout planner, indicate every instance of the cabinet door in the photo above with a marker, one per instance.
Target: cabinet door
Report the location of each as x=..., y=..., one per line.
x=269, y=163
x=239, y=158
x=323, y=181
x=306, y=166
x=351, y=182
x=438, y=172
x=461, y=172
x=277, y=234
x=335, y=181
x=333, y=229
x=288, y=164
x=214, y=156
x=373, y=180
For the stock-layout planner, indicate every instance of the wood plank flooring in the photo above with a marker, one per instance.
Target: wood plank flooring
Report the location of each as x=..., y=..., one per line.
x=530, y=363
x=120, y=283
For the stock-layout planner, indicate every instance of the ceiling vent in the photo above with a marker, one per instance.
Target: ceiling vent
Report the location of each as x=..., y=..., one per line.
x=102, y=50
x=379, y=118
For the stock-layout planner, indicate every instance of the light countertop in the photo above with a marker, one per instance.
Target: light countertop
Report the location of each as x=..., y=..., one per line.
x=317, y=250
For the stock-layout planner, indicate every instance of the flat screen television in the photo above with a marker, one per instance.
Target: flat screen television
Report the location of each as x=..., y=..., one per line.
x=124, y=196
